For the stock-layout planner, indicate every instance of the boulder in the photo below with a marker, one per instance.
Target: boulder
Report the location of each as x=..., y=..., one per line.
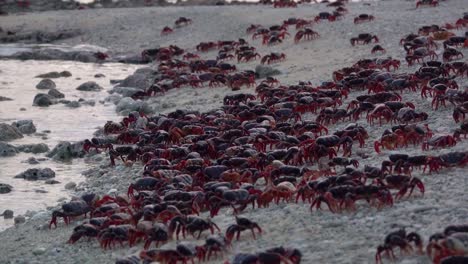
x=56, y=93
x=25, y=126
x=89, y=86
x=70, y=186
x=19, y=220
x=51, y=181
x=46, y=84
x=7, y=214
x=127, y=105
x=35, y=174
x=7, y=150
x=137, y=80
x=43, y=100
x=34, y=148
x=8, y=132
x=66, y=151
x=65, y=74
x=263, y=71
x=5, y=188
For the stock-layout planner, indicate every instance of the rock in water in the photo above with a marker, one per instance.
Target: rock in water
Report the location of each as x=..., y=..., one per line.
x=34, y=148
x=56, y=93
x=46, y=84
x=3, y=98
x=263, y=71
x=5, y=188
x=7, y=214
x=25, y=126
x=35, y=174
x=49, y=75
x=128, y=105
x=7, y=150
x=89, y=86
x=65, y=151
x=8, y=132
x=42, y=100
x=65, y=74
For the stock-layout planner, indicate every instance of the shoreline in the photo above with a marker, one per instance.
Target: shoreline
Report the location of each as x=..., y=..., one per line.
x=352, y=236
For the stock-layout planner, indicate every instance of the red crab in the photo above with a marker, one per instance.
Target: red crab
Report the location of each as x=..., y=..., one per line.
x=363, y=18
x=378, y=48
x=307, y=34
x=273, y=57
x=439, y=141
x=166, y=31
x=432, y=3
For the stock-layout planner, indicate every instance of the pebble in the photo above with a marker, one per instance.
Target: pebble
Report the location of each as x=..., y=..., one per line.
x=39, y=251
x=70, y=186
x=19, y=220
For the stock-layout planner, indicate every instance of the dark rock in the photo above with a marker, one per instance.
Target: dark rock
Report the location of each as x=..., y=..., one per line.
x=42, y=100
x=51, y=182
x=89, y=86
x=46, y=84
x=34, y=148
x=25, y=126
x=35, y=174
x=66, y=151
x=99, y=75
x=8, y=132
x=49, y=75
x=7, y=214
x=5, y=188
x=3, y=98
x=73, y=104
x=7, y=150
x=65, y=74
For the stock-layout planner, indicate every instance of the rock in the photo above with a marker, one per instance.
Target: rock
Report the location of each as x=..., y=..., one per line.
x=89, y=86
x=46, y=84
x=20, y=220
x=73, y=104
x=8, y=132
x=25, y=126
x=56, y=93
x=42, y=100
x=3, y=98
x=22, y=109
x=50, y=75
x=34, y=148
x=51, y=182
x=35, y=174
x=65, y=151
x=127, y=105
x=263, y=71
x=99, y=75
x=7, y=150
x=125, y=91
x=7, y=214
x=5, y=188
x=70, y=186
x=40, y=191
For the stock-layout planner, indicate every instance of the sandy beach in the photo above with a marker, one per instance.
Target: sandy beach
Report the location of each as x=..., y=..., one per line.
x=322, y=237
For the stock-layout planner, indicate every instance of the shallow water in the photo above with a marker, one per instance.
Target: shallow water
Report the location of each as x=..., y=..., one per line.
x=17, y=81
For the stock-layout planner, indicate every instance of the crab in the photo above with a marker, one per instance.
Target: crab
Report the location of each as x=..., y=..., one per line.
x=449, y=246
x=306, y=33
x=364, y=38
x=439, y=141
x=325, y=16
x=183, y=21
x=241, y=224
x=402, y=183
x=451, y=54
x=397, y=239
x=378, y=48
x=363, y=18
x=432, y=3
x=273, y=57
x=166, y=31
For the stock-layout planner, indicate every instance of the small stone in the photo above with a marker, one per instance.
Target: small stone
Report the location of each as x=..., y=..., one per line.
x=40, y=191
x=51, y=181
x=99, y=75
x=42, y=100
x=7, y=150
x=263, y=71
x=8, y=214
x=32, y=161
x=19, y=220
x=8, y=132
x=70, y=186
x=5, y=188
x=39, y=251
x=25, y=126
x=3, y=98
x=73, y=104
x=46, y=84
x=35, y=174
x=49, y=75
x=22, y=109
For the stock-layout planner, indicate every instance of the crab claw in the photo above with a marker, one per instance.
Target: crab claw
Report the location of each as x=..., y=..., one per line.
x=377, y=146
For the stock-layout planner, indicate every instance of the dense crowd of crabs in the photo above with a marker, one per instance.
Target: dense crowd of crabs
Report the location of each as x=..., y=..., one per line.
x=276, y=146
